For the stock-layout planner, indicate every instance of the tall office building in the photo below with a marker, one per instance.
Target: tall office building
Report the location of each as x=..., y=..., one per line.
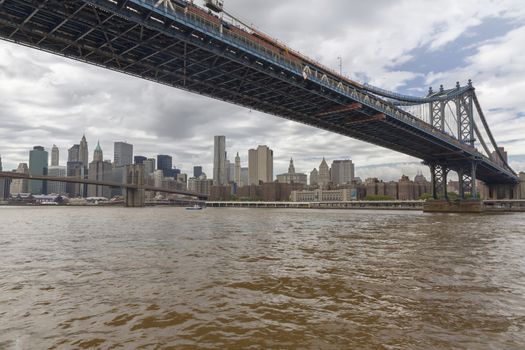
x=230, y=171
x=99, y=170
x=237, y=170
x=165, y=163
x=291, y=176
x=83, y=155
x=260, y=165
x=342, y=172
x=314, y=177
x=20, y=185
x=75, y=168
x=139, y=159
x=56, y=187
x=98, y=156
x=55, y=156
x=73, y=154
x=149, y=166
x=245, y=177
x=324, y=174
x=38, y=163
x=220, y=173
x=197, y=171
x=123, y=153
x=253, y=174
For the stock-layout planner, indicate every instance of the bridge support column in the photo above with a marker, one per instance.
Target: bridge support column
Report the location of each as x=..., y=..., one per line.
x=467, y=181
x=135, y=193
x=439, y=181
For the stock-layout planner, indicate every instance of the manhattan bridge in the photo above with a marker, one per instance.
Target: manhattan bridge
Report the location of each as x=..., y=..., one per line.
x=211, y=53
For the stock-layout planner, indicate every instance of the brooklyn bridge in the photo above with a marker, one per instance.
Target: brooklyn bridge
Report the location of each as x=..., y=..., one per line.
x=208, y=52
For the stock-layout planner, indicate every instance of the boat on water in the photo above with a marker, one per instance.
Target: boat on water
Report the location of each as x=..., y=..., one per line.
x=195, y=207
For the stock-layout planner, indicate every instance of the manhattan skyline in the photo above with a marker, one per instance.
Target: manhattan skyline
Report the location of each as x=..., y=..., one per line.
x=62, y=99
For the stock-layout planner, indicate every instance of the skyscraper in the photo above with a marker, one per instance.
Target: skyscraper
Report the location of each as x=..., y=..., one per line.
x=342, y=172
x=260, y=165
x=314, y=177
x=123, y=153
x=54, y=156
x=324, y=174
x=165, y=163
x=73, y=154
x=54, y=186
x=149, y=166
x=253, y=174
x=219, y=161
x=139, y=159
x=75, y=168
x=38, y=163
x=20, y=185
x=98, y=156
x=197, y=171
x=83, y=155
x=237, y=171
x=99, y=170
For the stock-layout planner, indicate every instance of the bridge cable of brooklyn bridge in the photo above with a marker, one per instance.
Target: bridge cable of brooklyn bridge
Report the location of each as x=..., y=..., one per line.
x=209, y=52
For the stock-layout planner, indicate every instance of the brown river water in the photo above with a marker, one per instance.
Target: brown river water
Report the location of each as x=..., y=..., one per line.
x=166, y=278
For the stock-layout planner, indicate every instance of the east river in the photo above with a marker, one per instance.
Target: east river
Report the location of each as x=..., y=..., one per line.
x=167, y=278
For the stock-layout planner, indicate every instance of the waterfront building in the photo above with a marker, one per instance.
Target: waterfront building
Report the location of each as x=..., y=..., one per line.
x=260, y=165
x=149, y=166
x=422, y=186
x=237, y=170
x=20, y=185
x=279, y=192
x=321, y=195
x=496, y=159
x=183, y=179
x=314, y=177
x=165, y=163
x=99, y=170
x=5, y=185
x=392, y=189
x=220, y=193
x=200, y=185
x=342, y=172
x=38, y=163
x=291, y=176
x=122, y=154
x=55, y=156
x=522, y=185
x=83, y=151
x=324, y=174
x=244, y=177
x=55, y=187
x=139, y=159
x=219, y=161
x=406, y=189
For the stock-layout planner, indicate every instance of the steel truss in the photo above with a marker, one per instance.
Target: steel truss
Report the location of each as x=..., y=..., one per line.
x=134, y=38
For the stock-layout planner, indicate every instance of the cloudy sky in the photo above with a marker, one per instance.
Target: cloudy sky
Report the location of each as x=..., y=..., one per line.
x=404, y=45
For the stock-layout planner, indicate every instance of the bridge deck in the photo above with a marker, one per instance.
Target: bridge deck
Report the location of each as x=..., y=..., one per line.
x=190, y=50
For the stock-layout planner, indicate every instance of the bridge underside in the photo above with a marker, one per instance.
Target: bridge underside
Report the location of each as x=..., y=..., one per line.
x=135, y=39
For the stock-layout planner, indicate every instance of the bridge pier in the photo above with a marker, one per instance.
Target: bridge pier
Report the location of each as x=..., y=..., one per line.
x=439, y=175
x=135, y=193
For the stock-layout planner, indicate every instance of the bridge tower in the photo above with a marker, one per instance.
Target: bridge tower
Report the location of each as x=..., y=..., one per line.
x=461, y=106
x=134, y=186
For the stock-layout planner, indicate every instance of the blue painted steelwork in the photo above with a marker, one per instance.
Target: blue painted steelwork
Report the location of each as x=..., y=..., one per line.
x=188, y=48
